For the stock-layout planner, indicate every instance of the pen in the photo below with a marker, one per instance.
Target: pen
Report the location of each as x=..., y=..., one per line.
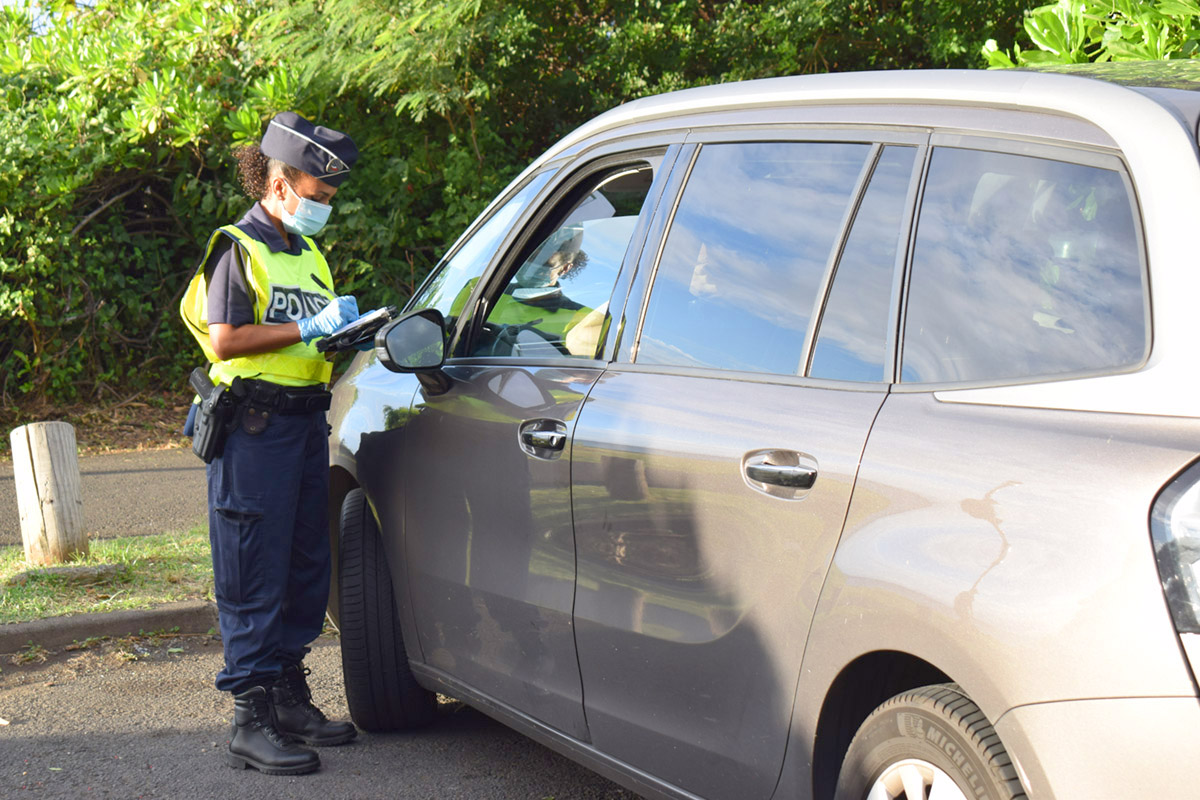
x=320, y=283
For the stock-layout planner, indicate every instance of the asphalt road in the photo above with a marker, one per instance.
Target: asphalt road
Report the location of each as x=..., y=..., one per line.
x=94, y=724
x=125, y=494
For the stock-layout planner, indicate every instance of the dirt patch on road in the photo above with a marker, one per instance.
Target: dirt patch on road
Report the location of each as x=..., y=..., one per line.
x=36, y=664
x=145, y=421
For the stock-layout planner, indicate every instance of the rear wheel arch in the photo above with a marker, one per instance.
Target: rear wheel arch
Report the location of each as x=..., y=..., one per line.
x=862, y=686
x=929, y=742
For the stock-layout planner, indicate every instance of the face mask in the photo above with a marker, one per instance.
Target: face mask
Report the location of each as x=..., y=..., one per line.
x=309, y=217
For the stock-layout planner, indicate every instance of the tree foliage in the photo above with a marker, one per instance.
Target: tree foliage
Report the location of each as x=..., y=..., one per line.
x=1081, y=31
x=117, y=123
x=107, y=121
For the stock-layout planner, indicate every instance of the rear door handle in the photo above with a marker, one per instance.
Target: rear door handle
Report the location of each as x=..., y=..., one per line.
x=548, y=440
x=791, y=477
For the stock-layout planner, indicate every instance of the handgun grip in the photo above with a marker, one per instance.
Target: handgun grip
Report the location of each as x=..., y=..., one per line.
x=200, y=381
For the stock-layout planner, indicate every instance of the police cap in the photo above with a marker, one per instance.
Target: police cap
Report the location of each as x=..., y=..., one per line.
x=321, y=152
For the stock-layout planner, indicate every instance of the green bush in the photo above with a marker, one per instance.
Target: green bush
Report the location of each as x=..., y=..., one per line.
x=455, y=97
x=117, y=122
x=1080, y=31
x=108, y=176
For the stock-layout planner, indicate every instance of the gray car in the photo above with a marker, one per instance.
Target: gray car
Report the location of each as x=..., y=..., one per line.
x=816, y=437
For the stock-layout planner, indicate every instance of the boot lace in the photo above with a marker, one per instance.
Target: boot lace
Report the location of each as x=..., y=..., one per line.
x=296, y=684
x=262, y=717
x=274, y=735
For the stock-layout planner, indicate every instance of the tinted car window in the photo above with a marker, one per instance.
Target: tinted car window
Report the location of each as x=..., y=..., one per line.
x=1022, y=267
x=852, y=343
x=746, y=253
x=449, y=288
x=556, y=303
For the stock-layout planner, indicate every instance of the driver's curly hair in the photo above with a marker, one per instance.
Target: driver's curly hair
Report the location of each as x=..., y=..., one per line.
x=578, y=259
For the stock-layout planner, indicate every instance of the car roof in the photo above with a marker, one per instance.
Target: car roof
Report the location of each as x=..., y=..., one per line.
x=1174, y=84
x=1099, y=93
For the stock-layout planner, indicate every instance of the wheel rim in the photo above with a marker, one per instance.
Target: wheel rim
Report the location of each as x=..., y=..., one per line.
x=913, y=779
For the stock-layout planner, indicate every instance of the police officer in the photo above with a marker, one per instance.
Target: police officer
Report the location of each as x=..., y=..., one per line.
x=259, y=299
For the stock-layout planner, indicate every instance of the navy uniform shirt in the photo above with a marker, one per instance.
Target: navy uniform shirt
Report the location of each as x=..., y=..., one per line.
x=229, y=299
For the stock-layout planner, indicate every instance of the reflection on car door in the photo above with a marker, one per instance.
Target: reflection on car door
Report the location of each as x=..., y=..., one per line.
x=695, y=584
x=490, y=553
x=708, y=503
x=490, y=546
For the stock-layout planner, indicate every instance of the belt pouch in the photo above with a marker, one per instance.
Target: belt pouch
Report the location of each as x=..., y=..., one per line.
x=304, y=401
x=255, y=419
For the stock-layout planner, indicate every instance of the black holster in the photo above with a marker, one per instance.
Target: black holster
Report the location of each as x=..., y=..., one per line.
x=214, y=419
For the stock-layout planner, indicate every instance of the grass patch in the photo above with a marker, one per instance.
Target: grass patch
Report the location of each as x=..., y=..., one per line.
x=140, y=571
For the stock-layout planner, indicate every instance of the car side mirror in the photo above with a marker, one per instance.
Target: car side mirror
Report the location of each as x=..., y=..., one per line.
x=416, y=342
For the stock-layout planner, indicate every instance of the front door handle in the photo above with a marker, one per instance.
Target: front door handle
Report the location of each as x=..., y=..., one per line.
x=544, y=440
x=791, y=477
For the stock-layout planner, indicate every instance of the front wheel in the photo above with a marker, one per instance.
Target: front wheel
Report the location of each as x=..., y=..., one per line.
x=931, y=743
x=381, y=691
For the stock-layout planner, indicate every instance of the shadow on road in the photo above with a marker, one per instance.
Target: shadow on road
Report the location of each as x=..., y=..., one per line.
x=141, y=719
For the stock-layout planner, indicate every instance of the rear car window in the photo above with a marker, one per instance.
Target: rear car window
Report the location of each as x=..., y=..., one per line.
x=852, y=343
x=746, y=253
x=1023, y=267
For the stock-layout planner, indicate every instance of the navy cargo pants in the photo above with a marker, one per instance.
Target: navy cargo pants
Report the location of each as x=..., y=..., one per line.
x=268, y=523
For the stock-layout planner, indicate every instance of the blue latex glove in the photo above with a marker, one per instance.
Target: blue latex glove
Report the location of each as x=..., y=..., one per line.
x=341, y=311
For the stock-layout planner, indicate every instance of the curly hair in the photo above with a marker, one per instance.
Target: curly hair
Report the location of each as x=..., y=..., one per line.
x=255, y=169
x=573, y=260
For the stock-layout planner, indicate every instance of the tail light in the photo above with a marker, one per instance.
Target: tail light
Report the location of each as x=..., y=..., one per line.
x=1175, y=529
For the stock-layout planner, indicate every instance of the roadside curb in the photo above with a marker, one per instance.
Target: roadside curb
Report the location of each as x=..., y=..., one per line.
x=189, y=616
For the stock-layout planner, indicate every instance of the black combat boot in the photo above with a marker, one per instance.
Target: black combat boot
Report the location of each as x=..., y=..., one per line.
x=297, y=717
x=258, y=743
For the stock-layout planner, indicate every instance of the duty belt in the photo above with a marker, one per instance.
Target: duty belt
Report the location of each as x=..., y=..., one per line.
x=282, y=399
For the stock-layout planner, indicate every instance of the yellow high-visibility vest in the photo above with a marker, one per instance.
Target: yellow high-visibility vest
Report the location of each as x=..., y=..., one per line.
x=284, y=288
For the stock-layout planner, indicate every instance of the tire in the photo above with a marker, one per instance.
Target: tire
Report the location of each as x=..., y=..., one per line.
x=381, y=691
x=933, y=742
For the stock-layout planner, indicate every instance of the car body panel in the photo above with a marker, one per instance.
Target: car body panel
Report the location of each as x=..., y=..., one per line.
x=1135, y=747
x=696, y=584
x=489, y=545
x=1008, y=548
